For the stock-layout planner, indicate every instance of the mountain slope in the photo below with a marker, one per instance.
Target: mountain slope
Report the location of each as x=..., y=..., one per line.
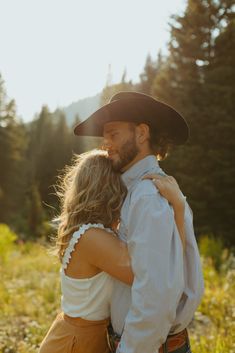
x=83, y=108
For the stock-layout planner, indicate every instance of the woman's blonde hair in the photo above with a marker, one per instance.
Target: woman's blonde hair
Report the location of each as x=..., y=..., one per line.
x=90, y=191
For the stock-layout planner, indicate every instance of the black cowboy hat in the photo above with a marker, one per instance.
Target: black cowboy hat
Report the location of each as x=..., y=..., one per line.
x=137, y=108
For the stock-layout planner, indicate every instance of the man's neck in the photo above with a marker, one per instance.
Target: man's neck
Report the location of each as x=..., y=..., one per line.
x=138, y=158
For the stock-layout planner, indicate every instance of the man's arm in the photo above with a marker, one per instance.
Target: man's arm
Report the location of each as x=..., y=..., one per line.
x=157, y=262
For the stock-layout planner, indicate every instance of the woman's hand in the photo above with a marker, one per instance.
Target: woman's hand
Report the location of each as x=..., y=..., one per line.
x=169, y=188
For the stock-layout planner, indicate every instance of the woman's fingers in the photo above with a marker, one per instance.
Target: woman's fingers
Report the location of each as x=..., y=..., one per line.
x=160, y=185
x=172, y=178
x=154, y=176
x=167, y=185
x=164, y=178
x=161, y=182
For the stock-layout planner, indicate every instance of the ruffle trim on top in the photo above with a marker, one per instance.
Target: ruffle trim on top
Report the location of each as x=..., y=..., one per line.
x=76, y=236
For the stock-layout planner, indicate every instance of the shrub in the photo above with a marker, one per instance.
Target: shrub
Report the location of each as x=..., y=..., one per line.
x=7, y=240
x=213, y=248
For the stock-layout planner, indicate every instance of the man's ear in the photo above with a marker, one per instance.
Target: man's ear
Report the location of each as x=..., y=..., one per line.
x=142, y=133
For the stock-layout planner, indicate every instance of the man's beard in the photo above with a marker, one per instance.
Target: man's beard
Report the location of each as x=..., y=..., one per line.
x=127, y=153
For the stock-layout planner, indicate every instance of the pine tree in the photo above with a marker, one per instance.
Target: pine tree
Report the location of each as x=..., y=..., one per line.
x=62, y=146
x=192, y=81
x=110, y=89
x=35, y=213
x=13, y=143
x=78, y=143
x=219, y=107
x=40, y=153
x=147, y=77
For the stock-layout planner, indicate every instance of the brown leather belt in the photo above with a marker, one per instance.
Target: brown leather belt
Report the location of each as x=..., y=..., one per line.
x=173, y=342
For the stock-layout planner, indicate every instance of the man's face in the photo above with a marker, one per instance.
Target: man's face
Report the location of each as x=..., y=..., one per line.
x=120, y=142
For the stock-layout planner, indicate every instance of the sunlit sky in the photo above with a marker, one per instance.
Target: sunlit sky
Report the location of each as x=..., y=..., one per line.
x=56, y=52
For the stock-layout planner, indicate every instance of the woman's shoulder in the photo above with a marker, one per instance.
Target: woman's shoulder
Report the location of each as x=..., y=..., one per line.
x=93, y=242
x=86, y=235
x=94, y=232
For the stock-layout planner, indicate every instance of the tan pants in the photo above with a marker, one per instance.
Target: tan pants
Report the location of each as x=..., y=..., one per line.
x=69, y=335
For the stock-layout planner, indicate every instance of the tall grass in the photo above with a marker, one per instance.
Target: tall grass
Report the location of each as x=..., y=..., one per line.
x=30, y=299
x=213, y=329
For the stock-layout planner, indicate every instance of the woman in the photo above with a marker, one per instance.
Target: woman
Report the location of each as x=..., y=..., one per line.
x=91, y=254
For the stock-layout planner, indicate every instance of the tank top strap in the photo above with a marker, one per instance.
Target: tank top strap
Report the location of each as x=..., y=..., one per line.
x=75, y=237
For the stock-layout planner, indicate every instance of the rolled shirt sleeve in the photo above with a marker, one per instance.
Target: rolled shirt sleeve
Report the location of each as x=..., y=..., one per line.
x=157, y=261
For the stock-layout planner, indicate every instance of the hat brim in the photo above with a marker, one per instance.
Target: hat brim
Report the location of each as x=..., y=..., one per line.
x=159, y=116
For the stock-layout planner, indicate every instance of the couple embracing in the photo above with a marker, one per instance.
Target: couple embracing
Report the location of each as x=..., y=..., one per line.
x=131, y=277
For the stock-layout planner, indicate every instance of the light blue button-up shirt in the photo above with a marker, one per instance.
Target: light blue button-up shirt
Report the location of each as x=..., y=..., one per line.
x=168, y=285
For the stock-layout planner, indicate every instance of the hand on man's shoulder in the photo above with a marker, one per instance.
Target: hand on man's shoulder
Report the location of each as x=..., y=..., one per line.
x=146, y=188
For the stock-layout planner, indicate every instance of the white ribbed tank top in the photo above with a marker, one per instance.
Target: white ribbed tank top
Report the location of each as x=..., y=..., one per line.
x=88, y=298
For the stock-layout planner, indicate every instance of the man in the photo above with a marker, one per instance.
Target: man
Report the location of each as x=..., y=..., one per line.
x=153, y=314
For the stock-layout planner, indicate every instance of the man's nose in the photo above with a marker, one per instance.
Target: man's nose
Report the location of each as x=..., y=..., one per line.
x=106, y=144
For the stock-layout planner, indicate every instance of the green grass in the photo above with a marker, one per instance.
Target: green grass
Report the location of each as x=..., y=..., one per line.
x=213, y=329
x=30, y=300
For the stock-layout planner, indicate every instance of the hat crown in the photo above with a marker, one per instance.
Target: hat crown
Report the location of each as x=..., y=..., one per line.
x=129, y=95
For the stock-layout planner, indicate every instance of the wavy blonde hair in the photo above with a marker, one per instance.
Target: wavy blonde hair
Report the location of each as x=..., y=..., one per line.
x=90, y=191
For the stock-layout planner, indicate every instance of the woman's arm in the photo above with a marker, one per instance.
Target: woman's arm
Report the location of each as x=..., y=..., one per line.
x=169, y=188
x=179, y=220
x=107, y=253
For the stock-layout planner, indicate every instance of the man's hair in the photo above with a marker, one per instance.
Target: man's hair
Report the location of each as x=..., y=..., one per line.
x=160, y=144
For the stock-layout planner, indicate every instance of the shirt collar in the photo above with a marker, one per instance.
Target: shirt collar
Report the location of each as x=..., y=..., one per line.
x=146, y=165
